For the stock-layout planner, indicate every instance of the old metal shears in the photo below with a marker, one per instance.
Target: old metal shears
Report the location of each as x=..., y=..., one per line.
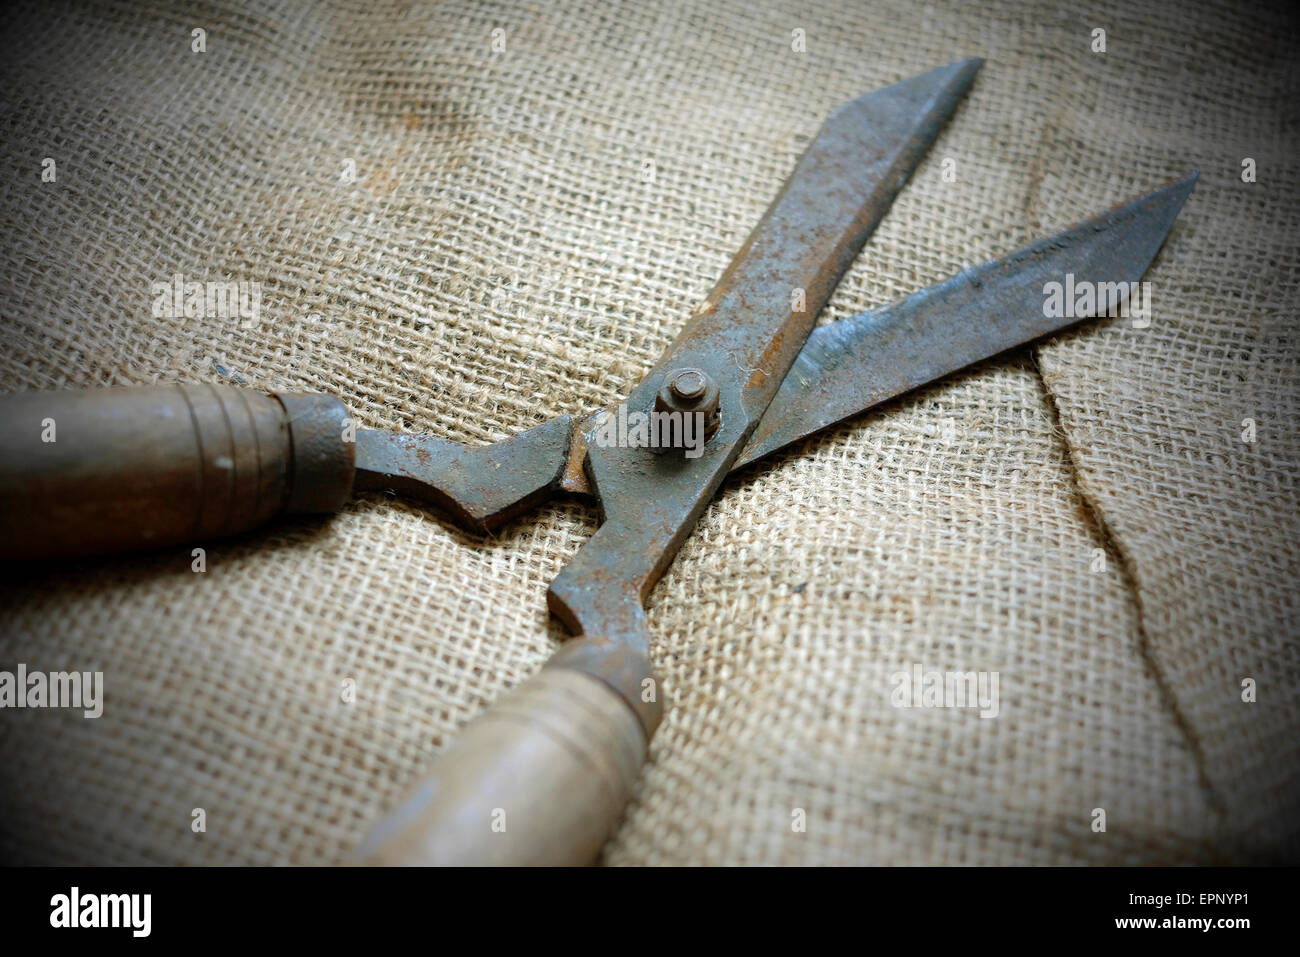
x=559, y=755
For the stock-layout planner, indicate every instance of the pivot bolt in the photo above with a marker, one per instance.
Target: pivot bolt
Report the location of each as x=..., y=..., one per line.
x=688, y=385
x=690, y=392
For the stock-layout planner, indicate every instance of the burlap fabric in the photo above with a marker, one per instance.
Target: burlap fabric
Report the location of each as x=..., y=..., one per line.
x=534, y=213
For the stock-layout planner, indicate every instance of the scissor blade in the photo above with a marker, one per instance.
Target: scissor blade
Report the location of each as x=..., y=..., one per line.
x=754, y=322
x=851, y=365
x=745, y=337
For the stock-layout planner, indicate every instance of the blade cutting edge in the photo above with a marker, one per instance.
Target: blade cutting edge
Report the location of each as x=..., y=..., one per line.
x=744, y=338
x=850, y=365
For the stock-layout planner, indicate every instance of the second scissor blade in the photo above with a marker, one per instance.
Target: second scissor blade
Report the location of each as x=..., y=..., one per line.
x=851, y=365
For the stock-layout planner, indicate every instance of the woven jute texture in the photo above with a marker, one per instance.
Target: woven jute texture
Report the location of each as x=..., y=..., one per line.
x=542, y=194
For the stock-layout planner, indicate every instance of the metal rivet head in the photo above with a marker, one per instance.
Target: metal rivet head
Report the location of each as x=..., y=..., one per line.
x=690, y=391
x=688, y=384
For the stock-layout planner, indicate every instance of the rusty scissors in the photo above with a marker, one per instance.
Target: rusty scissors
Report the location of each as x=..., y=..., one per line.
x=543, y=776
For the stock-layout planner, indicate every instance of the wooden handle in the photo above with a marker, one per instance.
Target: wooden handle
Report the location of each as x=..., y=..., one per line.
x=541, y=778
x=104, y=470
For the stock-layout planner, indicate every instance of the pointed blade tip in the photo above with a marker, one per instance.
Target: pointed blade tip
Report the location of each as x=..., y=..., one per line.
x=961, y=74
x=957, y=76
x=1185, y=184
x=1170, y=197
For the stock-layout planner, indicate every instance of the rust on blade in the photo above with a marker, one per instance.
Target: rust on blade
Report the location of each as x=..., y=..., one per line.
x=478, y=487
x=855, y=363
x=744, y=338
x=574, y=477
x=843, y=369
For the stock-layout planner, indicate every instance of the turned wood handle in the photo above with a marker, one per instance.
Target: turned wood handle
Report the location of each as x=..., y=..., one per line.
x=541, y=778
x=102, y=470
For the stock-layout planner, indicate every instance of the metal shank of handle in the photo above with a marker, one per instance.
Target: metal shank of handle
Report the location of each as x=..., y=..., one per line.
x=100, y=470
